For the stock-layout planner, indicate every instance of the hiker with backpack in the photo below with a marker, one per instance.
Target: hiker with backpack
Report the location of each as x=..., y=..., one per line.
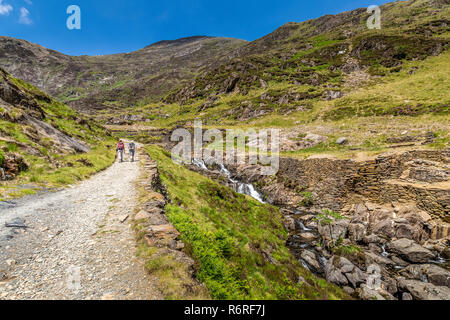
x=120, y=149
x=132, y=149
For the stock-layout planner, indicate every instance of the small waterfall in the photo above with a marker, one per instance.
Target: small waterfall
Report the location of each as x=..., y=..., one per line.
x=249, y=190
x=226, y=172
x=303, y=228
x=323, y=261
x=384, y=253
x=439, y=260
x=240, y=187
x=304, y=264
x=200, y=163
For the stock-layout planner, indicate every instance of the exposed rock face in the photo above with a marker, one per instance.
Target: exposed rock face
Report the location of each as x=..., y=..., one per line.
x=62, y=141
x=24, y=108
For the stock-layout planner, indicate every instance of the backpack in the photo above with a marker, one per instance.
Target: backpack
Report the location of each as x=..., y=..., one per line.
x=132, y=146
x=121, y=146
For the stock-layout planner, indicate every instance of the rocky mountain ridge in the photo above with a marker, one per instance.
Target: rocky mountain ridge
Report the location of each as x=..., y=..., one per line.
x=113, y=81
x=323, y=52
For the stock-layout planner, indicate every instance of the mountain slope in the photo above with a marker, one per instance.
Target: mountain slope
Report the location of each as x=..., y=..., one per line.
x=321, y=52
x=120, y=80
x=330, y=77
x=43, y=141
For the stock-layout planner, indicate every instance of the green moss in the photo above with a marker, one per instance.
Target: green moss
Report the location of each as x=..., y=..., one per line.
x=327, y=217
x=308, y=199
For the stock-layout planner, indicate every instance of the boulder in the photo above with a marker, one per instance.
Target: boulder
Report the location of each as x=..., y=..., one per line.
x=336, y=269
x=410, y=250
x=372, y=258
x=356, y=277
x=356, y=232
x=312, y=140
x=307, y=237
x=334, y=230
x=407, y=231
x=366, y=293
x=142, y=215
x=336, y=277
x=310, y=258
x=289, y=224
x=420, y=290
x=407, y=296
x=428, y=273
x=342, y=141
x=361, y=214
x=399, y=262
x=384, y=228
x=390, y=285
x=373, y=238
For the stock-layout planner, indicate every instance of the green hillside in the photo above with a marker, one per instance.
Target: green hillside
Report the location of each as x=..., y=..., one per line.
x=44, y=143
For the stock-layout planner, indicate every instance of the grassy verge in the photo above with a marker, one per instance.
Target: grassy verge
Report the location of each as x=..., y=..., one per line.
x=172, y=277
x=238, y=243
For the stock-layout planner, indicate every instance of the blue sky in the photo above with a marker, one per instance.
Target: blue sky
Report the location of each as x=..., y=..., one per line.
x=112, y=26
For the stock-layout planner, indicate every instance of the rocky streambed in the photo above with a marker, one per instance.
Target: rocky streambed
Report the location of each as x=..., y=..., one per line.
x=348, y=252
x=395, y=250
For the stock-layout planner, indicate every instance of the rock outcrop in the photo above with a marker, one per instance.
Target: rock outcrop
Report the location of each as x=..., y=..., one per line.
x=33, y=124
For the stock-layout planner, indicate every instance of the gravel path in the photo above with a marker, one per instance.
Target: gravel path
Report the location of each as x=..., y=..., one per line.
x=76, y=245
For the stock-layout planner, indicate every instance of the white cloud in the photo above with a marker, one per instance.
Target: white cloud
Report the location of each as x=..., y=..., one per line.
x=5, y=9
x=24, y=16
x=29, y=2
